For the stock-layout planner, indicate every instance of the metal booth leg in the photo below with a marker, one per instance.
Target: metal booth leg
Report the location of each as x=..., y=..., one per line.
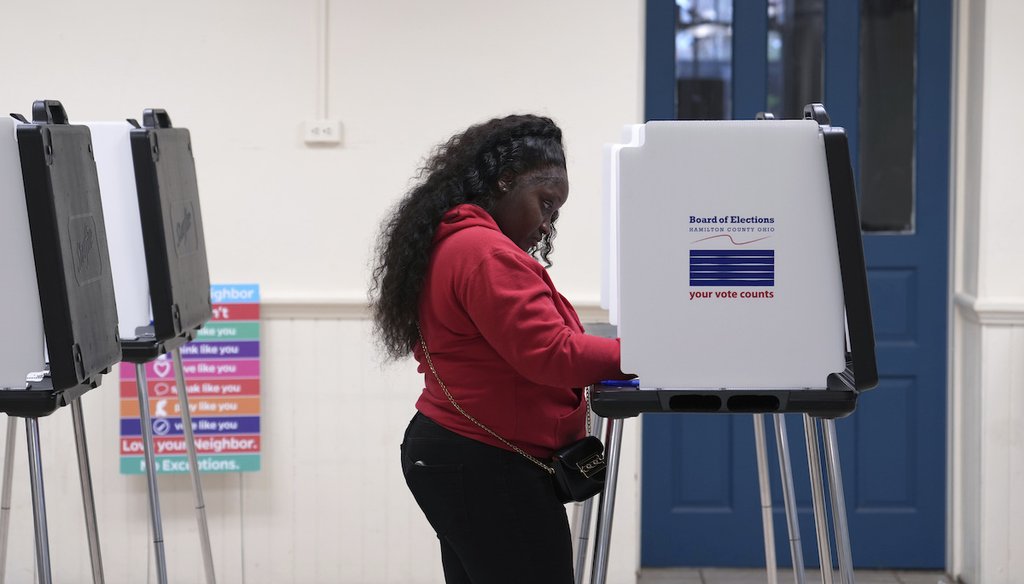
x=35, y=467
x=582, y=515
x=818, y=498
x=835, y=484
x=599, y=572
x=193, y=467
x=786, y=472
x=5, y=496
x=88, y=502
x=154, y=495
x=764, y=483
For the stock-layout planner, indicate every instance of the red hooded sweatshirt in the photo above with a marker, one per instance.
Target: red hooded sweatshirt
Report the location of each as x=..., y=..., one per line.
x=507, y=345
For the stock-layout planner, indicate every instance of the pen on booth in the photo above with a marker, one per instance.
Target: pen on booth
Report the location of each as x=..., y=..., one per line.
x=621, y=382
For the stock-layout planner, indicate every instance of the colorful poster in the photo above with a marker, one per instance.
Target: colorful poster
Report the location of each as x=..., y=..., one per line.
x=222, y=379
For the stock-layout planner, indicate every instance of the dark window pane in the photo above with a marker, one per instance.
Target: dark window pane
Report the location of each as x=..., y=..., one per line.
x=703, y=59
x=886, y=149
x=795, y=56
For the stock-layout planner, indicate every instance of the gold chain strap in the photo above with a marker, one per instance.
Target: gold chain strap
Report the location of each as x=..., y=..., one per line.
x=533, y=459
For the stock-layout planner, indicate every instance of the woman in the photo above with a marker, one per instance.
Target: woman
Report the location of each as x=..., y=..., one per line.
x=458, y=263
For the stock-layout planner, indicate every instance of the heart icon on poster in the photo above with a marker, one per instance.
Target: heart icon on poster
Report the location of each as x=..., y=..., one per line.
x=162, y=367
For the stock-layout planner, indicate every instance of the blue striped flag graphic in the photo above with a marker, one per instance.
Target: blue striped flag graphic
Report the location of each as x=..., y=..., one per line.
x=732, y=267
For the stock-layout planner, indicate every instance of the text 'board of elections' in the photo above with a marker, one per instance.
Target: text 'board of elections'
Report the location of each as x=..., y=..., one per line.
x=222, y=377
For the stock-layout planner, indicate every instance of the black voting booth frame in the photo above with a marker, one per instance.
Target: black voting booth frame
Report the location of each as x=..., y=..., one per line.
x=179, y=285
x=838, y=399
x=76, y=295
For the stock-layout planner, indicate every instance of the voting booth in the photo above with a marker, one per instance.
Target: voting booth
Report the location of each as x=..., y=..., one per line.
x=72, y=274
x=735, y=273
x=158, y=250
x=158, y=257
x=105, y=259
x=59, y=308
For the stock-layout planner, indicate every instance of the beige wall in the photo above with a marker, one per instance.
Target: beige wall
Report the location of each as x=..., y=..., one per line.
x=402, y=77
x=329, y=504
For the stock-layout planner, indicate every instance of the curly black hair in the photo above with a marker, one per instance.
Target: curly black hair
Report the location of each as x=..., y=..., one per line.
x=465, y=169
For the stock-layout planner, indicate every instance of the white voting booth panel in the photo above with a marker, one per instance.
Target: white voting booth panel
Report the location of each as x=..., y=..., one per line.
x=116, y=171
x=21, y=346
x=632, y=135
x=728, y=268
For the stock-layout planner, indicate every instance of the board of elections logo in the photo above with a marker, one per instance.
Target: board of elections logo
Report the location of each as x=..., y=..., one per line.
x=732, y=267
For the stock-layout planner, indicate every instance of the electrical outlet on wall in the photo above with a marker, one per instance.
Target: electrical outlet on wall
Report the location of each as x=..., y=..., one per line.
x=326, y=132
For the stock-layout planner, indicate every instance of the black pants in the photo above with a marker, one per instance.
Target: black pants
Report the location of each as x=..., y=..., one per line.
x=495, y=513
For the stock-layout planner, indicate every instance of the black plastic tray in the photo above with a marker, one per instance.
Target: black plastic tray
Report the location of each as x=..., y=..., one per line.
x=40, y=399
x=838, y=400
x=146, y=348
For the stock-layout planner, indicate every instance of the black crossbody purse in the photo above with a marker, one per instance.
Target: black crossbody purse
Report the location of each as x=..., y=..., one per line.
x=577, y=469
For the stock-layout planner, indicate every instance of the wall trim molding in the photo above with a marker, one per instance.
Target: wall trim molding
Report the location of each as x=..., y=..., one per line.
x=339, y=308
x=990, y=311
x=314, y=308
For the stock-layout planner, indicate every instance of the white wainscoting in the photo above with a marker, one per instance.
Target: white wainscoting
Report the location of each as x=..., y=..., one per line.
x=987, y=439
x=328, y=506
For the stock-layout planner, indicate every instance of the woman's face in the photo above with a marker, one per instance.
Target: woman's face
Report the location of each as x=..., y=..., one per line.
x=529, y=204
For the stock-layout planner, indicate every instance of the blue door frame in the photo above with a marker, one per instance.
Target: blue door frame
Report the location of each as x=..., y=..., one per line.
x=700, y=501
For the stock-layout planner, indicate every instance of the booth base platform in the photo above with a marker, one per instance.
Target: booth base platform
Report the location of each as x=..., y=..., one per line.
x=631, y=402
